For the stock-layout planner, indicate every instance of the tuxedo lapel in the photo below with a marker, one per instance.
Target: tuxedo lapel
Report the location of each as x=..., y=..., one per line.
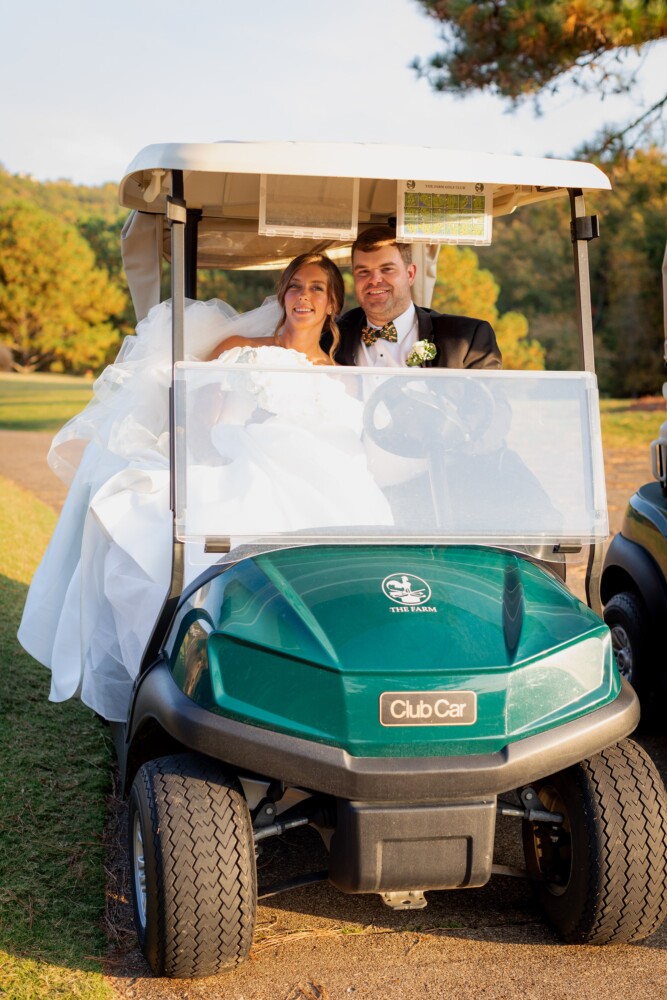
x=350, y=330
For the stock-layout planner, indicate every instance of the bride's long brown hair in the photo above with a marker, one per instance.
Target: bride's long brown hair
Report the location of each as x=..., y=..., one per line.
x=335, y=292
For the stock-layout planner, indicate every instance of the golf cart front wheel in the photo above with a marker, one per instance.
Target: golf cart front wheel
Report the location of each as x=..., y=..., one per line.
x=600, y=875
x=626, y=617
x=192, y=867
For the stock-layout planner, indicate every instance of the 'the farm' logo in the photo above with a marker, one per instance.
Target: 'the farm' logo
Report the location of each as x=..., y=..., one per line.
x=406, y=589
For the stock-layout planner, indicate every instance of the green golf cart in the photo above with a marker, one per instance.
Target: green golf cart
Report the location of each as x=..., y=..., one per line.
x=398, y=682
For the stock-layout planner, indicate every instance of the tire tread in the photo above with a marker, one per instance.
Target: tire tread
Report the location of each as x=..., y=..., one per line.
x=633, y=831
x=205, y=867
x=617, y=888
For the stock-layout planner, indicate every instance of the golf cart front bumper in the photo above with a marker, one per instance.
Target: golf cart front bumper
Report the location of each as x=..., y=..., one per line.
x=333, y=771
x=402, y=823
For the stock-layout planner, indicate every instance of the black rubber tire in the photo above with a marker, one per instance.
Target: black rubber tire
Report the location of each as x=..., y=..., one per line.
x=601, y=877
x=196, y=915
x=628, y=621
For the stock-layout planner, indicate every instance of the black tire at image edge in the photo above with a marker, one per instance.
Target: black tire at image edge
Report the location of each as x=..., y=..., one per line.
x=602, y=879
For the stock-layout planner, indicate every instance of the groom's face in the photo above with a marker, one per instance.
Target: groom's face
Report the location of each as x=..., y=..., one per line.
x=382, y=282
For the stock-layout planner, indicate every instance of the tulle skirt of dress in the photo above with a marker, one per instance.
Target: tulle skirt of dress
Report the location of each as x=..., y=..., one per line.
x=97, y=593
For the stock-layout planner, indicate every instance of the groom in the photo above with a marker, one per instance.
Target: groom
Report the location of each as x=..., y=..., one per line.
x=387, y=326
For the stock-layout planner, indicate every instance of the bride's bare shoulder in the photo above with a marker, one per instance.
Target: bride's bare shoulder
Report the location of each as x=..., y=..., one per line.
x=230, y=342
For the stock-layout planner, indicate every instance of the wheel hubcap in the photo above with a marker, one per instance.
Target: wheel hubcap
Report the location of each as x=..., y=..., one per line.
x=139, y=870
x=620, y=643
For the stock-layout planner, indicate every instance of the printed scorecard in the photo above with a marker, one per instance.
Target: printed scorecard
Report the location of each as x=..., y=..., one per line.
x=438, y=212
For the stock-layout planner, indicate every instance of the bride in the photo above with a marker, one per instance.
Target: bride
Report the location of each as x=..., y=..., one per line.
x=310, y=294
x=102, y=581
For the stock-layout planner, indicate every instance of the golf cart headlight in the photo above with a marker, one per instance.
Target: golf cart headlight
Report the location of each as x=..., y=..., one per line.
x=581, y=673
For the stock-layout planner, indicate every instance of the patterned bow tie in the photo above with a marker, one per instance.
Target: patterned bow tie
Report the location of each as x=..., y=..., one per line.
x=370, y=334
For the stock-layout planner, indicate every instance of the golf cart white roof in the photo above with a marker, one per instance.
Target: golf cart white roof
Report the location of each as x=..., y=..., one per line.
x=222, y=170
x=222, y=180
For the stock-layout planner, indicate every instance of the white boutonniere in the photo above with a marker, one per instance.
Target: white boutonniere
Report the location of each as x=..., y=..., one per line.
x=422, y=352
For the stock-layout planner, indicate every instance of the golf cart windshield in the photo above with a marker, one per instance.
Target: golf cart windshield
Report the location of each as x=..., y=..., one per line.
x=415, y=455
x=388, y=455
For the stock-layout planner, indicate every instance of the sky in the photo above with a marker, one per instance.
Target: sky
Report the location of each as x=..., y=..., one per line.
x=86, y=84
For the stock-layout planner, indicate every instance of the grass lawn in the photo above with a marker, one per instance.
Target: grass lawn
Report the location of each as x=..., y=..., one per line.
x=40, y=402
x=44, y=402
x=629, y=423
x=54, y=778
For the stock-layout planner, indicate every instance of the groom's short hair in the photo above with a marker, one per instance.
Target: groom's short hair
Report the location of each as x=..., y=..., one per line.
x=376, y=237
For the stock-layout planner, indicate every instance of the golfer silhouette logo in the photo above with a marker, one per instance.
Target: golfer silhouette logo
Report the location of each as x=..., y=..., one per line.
x=404, y=588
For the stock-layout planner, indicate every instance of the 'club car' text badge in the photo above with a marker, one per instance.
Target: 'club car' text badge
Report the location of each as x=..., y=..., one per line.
x=428, y=708
x=407, y=592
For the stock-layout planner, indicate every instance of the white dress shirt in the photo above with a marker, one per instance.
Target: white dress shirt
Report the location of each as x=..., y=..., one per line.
x=384, y=353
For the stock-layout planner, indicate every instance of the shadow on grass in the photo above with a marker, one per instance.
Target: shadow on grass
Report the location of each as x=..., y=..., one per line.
x=54, y=778
x=647, y=404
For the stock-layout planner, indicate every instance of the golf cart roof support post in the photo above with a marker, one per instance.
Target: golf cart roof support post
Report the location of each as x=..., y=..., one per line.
x=177, y=217
x=191, y=242
x=176, y=213
x=582, y=283
x=593, y=578
x=154, y=645
x=581, y=234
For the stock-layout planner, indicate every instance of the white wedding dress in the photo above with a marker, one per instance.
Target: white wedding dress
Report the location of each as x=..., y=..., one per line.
x=100, y=586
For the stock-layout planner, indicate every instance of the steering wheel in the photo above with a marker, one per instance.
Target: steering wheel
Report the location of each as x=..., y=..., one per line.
x=458, y=413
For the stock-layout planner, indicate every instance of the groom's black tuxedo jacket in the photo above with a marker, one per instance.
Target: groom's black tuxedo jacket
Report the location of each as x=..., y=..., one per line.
x=461, y=342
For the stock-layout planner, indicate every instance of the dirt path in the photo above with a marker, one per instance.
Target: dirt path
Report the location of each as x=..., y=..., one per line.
x=23, y=460
x=318, y=944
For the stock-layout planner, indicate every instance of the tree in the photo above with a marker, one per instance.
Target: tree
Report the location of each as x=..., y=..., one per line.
x=103, y=237
x=522, y=48
x=70, y=202
x=55, y=304
x=463, y=288
x=242, y=289
x=628, y=272
x=532, y=257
